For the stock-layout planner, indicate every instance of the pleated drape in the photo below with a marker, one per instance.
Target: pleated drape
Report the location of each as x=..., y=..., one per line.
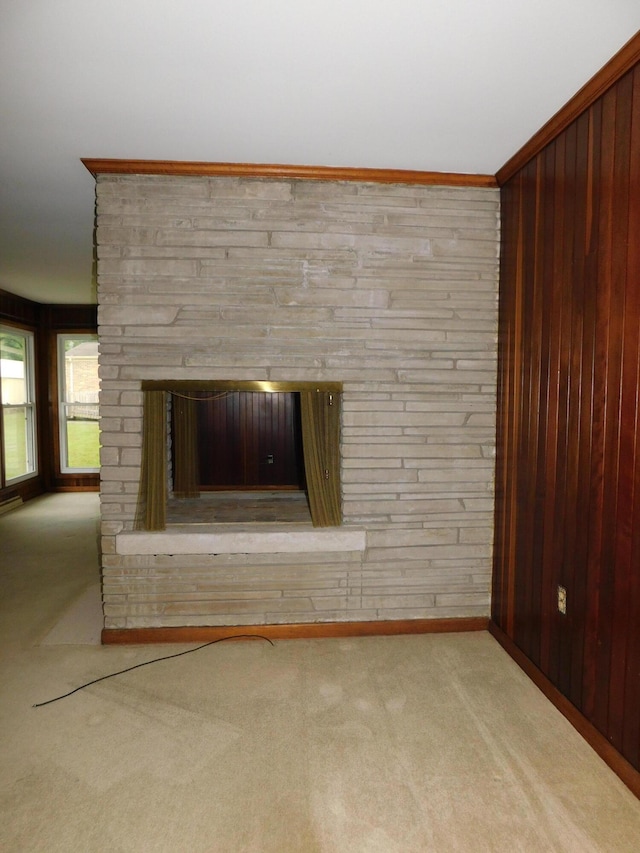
x=184, y=446
x=320, y=414
x=151, y=510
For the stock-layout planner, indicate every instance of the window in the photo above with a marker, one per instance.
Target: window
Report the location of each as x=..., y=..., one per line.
x=78, y=388
x=19, y=457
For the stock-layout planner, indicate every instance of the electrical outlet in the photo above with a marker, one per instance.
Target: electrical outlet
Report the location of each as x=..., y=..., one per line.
x=562, y=599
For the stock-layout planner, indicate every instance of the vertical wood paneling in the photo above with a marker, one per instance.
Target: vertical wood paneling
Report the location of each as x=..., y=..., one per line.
x=593, y=476
x=569, y=344
x=238, y=432
x=625, y=418
x=550, y=369
x=631, y=729
x=608, y=331
x=579, y=444
x=532, y=336
x=505, y=515
x=568, y=510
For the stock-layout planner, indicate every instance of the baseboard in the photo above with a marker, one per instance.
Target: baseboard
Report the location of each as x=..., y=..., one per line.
x=609, y=754
x=303, y=630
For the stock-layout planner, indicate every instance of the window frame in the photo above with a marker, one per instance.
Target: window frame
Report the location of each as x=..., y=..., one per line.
x=30, y=406
x=62, y=420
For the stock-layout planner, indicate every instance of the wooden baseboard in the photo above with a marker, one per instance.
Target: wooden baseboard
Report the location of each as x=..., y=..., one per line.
x=304, y=630
x=609, y=754
x=62, y=488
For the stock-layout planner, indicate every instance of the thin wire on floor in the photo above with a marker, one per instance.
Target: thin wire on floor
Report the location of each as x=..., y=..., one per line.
x=155, y=660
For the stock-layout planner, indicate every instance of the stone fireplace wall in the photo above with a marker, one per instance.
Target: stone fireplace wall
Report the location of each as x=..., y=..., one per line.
x=390, y=289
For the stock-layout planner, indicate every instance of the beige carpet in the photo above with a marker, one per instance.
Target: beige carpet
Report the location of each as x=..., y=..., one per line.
x=428, y=743
x=81, y=623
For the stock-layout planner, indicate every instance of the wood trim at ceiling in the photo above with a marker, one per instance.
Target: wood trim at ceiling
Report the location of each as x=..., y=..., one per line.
x=306, y=630
x=284, y=172
x=597, y=741
x=618, y=66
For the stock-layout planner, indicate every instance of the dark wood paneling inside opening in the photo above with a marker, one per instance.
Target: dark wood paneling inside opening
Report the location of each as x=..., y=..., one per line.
x=250, y=440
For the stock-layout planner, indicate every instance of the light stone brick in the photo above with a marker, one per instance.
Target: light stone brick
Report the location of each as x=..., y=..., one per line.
x=403, y=419
x=384, y=477
x=462, y=599
x=111, y=425
x=108, y=371
x=109, y=456
x=427, y=552
x=108, y=546
x=120, y=473
x=377, y=299
x=146, y=268
x=131, y=398
x=112, y=487
x=130, y=456
x=331, y=603
x=121, y=439
x=481, y=535
x=381, y=492
x=389, y=538
x=414, y=602
x=109, y=398
x=226, y=239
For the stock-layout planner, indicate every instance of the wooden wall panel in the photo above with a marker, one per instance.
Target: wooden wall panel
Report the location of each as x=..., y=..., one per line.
x=568, y=460
x=631, y=730
x=250, y=439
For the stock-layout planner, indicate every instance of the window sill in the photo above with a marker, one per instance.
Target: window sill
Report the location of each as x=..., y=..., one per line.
x=240, y=539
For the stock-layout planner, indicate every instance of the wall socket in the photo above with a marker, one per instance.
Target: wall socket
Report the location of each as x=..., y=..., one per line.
x=562, y=599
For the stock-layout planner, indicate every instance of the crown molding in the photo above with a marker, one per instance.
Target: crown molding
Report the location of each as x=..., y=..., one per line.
x=617, y=67
x=285, y=172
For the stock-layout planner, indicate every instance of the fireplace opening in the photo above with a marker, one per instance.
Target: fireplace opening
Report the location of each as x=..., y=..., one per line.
x=221, y=452
x=250, y=464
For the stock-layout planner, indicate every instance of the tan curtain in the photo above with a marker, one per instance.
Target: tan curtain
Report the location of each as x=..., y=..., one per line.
x=320, y=411
x=152, y=495
x=185, y=447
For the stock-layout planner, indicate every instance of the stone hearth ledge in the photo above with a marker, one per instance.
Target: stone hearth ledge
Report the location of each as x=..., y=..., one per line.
x=211, y=539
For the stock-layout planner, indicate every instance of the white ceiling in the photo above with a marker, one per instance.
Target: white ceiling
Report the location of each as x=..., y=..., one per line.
x=436, y=85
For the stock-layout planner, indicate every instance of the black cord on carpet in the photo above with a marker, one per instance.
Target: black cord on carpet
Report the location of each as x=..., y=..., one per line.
x=155, y=660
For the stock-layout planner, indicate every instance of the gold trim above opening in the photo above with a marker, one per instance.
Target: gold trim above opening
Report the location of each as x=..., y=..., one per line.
x=237, y=385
